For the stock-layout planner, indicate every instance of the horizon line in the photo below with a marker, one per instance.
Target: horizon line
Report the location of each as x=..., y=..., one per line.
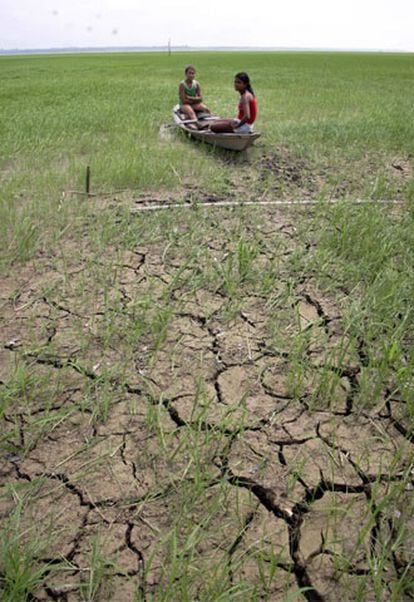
x=188, y=48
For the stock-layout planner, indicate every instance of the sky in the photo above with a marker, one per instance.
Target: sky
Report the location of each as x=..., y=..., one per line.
x=318, y=24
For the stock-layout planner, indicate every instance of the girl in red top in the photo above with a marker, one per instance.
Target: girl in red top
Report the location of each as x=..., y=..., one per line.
x=247, y=109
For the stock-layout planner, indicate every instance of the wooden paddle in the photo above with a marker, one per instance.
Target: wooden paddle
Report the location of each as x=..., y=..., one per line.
x=186, y=121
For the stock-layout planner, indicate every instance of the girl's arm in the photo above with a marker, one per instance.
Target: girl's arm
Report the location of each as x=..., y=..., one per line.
x=188, y=100
x=246, y=109
x=182, y=94
x=194, y=100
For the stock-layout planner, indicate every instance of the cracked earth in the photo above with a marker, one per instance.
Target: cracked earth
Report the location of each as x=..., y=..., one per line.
x=159, y=410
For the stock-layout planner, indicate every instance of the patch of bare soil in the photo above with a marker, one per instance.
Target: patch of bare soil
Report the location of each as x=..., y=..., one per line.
x=196, y=431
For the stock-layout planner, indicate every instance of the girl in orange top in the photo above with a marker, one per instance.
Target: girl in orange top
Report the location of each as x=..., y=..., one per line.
x=247, y=109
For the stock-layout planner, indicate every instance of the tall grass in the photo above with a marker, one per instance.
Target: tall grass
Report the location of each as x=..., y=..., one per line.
x=367, y=253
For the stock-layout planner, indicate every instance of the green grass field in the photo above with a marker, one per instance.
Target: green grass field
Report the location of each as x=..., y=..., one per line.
x=343, y=120
x=207, y=403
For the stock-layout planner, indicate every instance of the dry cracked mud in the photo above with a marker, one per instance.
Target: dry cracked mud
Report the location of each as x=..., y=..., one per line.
x=149, y=421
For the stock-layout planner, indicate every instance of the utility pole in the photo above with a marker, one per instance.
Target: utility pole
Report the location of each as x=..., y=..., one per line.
x=169, y=46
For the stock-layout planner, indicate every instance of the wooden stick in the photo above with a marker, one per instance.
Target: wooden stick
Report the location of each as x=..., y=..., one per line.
x=304, y=202
x=88, y=179
x=185, y=121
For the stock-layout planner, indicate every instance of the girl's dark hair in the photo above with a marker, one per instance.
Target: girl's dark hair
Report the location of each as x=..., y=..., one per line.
x=243, y=77
x=187, y=69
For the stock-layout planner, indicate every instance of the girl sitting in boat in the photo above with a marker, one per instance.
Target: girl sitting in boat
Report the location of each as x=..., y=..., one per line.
x=189, y=93
x=244, y=124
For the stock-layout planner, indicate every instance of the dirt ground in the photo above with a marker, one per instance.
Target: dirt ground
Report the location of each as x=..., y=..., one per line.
x=110, y=438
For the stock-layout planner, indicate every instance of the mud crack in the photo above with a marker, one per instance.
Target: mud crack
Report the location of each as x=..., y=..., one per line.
x=140, y=561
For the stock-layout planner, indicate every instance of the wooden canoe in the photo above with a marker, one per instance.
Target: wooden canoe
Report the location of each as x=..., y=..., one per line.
x=236, y=142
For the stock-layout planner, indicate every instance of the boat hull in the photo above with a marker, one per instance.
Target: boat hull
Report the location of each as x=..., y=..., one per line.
x=235, y=142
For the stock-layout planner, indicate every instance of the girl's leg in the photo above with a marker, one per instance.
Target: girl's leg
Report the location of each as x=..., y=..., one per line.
x=201, y=107
x=188, y=112
x=223, y=126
